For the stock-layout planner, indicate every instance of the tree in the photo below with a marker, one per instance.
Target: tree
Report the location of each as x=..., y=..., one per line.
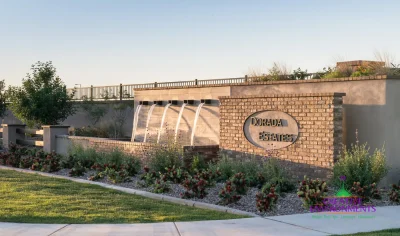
x=42, y=98
x=94, y=112
x=3, y=98
x=119, y=115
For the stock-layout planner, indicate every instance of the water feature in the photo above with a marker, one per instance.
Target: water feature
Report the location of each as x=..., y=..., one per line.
x=179, y=120
x=148, y=121
x=162, y=121
x=135, y=122
x=195, y=122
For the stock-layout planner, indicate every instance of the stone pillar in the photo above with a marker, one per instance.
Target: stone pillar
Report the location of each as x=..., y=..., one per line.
x=10, y=134
x=49, y=136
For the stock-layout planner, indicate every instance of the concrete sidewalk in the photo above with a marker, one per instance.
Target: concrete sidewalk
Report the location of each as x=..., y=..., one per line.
x=300, y=224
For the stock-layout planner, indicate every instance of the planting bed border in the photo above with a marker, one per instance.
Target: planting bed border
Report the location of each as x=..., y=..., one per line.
x=140, y=193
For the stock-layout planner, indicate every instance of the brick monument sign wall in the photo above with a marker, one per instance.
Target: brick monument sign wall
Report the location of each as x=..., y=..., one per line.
x=304, y=131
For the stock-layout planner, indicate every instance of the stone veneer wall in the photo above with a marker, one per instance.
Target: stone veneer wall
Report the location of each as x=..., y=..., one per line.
x=319, y=117
x=63, y=142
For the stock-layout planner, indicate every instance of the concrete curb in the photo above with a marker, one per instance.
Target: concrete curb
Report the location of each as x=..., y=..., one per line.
x=140, y=193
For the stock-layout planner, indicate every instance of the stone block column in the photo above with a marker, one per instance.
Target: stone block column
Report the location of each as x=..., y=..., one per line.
x=10, y=134
x=49, y=136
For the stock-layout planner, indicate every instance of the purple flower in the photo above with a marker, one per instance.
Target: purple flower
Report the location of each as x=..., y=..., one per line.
x=342, y=178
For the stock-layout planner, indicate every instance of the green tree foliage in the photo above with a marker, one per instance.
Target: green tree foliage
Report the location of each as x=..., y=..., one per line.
x=3, y=98
x=94, y=112
x=42, y=98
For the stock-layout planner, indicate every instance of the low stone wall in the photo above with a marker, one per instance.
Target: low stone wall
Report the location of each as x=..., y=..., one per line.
x=319, y=119
x=64, y=142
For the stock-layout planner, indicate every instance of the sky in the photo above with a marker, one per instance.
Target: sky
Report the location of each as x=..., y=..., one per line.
x=98, y=42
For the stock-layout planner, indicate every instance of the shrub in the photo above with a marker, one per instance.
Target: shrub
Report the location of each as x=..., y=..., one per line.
x=15, y=155
x=298, y=74
x=332, y=74
x=19, y=150
x=359, y=166
x=165, y=156
x=27, y=162
x=4, y=157
x=365, y=192
x=394, y=194
x=312, y=192
x=98, y=132
x=160, y=185
x=77, y=170
x=99, y=161
x=86, y=156
x=266, y=199
x=336, y=72
x=239, y=181
x=148, y=176
x=257, y=172
x=32, y=158
x=228, y=167
x=116, y=176
x=195, y=187
x=112, y=158
x=210, y=176
x=97, y=176
x=119, y=160
x=198, y=164
x=49, y=163
x=275, y=176
x=228, y=194
x=363, y=71
x=176, y=175
x=280, y=185
x=13, y=160
x=258, y=181
x=116, y=165
x=132, y=165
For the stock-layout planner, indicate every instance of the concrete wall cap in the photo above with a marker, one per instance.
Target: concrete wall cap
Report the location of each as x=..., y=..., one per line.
x=55, y=126
x=106, y=140
x=12, y=125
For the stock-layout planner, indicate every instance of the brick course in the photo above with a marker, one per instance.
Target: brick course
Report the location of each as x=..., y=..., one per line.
x=103, y=144
x=319, y=118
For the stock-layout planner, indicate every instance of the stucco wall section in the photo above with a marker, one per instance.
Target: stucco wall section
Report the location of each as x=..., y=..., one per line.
x=319, y=118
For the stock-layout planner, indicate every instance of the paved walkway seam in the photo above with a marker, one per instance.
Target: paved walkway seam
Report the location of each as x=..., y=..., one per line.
x=60, y=229
x=141, y=193
x=177, y=230
x=296, y=225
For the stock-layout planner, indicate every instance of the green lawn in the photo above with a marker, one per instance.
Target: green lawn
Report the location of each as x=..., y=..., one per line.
x=388, y=232
x=32, y=198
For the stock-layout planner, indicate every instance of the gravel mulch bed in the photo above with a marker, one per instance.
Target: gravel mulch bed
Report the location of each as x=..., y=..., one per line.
x=287, y=204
